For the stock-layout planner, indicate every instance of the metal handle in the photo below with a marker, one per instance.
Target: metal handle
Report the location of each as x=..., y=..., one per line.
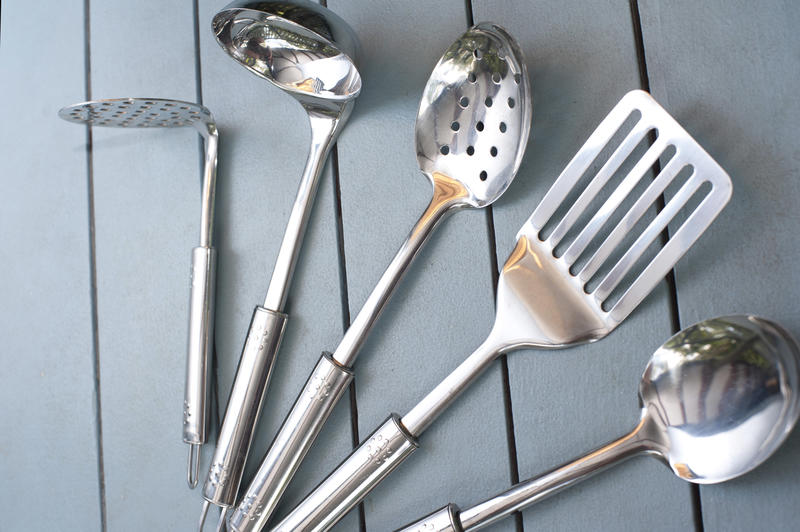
x=442, y=520
x=322, y=391
x=201, y=344
x=244, y=406
x=378, y=456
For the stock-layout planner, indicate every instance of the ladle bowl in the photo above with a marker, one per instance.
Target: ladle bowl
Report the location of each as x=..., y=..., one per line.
x=299, y=46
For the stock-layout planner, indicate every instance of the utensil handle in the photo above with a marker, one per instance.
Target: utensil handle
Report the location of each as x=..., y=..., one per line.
x=322, y=391
x=370, y=463
x=244, y=406
x=533, y=490
x=201, y=343
x=442, y=520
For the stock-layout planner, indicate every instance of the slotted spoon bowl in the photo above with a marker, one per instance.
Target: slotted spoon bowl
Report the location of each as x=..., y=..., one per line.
x=540, y=301
x=154, y=113
x=471, y=131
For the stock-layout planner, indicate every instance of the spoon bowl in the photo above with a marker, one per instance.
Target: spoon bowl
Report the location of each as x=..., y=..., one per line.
x=721, y=385
x=474, y=111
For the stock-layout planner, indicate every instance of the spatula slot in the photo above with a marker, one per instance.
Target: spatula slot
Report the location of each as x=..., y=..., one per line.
x=599, y=202
x=606, y=217
x=636, y=259
x=569, y=186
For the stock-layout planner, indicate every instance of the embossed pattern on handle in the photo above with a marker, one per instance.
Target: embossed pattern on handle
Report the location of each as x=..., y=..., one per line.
x=379, y=454
x=442, y=520
x=322, y=391
x=200, y=345
x=244, y=406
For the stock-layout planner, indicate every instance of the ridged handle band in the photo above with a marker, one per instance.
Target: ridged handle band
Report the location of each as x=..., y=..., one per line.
x=244, y=406
x=371, y=462
x=322, y=391
x=442, y=520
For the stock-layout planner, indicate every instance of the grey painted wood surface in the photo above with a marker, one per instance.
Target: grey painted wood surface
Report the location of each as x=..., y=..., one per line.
x=48, y=445
x=726, y=70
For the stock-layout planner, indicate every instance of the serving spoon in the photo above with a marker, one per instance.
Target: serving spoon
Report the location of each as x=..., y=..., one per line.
x=471, y=131
x=717, y=400
x=308, y=52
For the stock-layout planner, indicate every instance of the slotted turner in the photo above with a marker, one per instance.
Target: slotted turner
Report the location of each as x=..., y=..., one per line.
x=542, y=303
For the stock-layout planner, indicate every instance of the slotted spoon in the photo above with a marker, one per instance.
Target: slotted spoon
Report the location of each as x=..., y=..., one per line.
x=471, y=131
x=540, y=302
x=158, y=112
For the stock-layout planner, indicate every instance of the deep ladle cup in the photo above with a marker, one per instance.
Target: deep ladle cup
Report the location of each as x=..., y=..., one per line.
x=718, y=399
x=309, y=52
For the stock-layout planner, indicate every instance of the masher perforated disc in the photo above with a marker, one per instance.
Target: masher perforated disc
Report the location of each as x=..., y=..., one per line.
x=138, y=112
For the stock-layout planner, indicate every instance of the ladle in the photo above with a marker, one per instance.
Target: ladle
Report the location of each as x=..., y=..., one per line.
x=309, y=52
x=471, y=131
x=160, y=113
x=717, y=399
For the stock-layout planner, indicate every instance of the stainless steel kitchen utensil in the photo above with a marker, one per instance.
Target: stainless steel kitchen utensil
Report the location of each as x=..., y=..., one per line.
x=309, y=52
x=717, y=399
x=471, y=131
x=543, y=299
x=158, y=112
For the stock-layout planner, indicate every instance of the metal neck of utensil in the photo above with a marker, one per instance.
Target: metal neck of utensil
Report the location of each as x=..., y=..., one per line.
x=447, y=195
x=324, y=130
x=432, y=405
x=211, y=140
x=536, y=489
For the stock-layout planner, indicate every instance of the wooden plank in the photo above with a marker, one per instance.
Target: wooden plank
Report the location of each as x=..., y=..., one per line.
x=48, y=445
x=147, y=193
x=265, y=140
x=729, y=71
x=582, y=60
x=444, y=307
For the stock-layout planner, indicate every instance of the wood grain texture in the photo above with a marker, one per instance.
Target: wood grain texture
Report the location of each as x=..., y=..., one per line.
x=581, y=59
x=728, y=71
x=48, y=440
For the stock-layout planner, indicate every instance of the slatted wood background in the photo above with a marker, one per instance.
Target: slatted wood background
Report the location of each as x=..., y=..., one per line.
x=96, y=229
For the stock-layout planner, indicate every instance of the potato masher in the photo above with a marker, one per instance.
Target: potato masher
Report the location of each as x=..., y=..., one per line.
x=158, y=112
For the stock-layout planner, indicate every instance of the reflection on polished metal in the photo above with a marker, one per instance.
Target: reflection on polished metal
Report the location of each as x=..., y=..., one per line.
x=718, y=399
x=309, y=52
x=471, y=131
x=542, y=301
x=157, y=112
